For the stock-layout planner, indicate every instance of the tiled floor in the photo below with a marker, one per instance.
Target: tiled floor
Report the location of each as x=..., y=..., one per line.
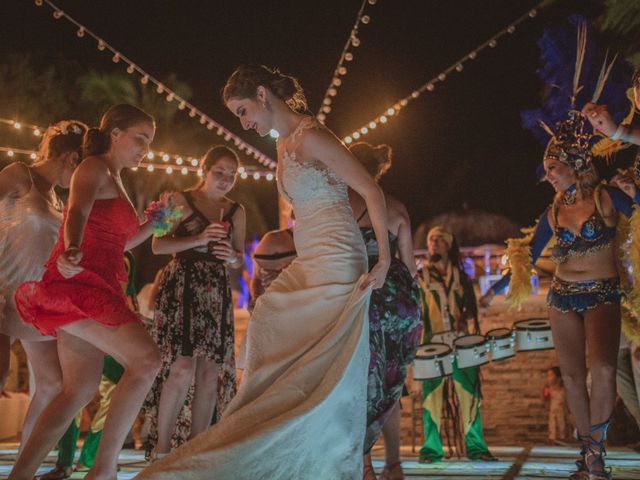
x=516, y=463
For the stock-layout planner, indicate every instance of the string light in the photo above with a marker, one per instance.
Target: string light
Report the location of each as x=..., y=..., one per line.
x=11, y=151
x=161, y=88
x=19, y=125
x=430, y=86
x=347, y=56
x=177, y=166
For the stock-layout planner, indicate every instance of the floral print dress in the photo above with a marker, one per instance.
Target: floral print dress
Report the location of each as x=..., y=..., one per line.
x=395, y=328
x=193, y=317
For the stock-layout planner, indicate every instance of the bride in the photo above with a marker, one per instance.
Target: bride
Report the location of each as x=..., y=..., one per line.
x=300, y=412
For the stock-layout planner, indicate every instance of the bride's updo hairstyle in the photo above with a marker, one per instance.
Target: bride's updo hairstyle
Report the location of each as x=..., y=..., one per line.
x=244, y=82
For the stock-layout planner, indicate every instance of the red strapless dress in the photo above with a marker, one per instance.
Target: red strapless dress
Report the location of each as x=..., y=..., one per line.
x=94, y=293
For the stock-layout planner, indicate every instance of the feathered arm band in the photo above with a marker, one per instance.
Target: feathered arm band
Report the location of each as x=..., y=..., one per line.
x=520, y=265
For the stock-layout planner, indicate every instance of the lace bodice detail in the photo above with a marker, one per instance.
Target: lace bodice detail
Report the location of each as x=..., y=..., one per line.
x=308, y=185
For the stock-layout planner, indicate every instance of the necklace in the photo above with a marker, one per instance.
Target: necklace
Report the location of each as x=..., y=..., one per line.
x=570, y=195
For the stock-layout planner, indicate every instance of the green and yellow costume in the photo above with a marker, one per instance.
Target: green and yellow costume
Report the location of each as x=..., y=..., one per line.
x=445, y=298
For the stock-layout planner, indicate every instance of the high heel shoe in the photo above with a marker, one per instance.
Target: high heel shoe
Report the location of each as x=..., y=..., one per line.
x=593, y=466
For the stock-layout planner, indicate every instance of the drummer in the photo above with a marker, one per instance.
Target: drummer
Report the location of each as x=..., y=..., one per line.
x=449, y=303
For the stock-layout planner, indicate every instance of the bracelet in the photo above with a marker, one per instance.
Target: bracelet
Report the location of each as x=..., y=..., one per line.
x=626, y=136
x=620, y=131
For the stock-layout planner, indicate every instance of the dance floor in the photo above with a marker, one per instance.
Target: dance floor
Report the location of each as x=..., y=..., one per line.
x=516, y=463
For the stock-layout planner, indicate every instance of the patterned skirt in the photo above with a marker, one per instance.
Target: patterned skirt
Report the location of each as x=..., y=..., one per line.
x=193, y=317
x=395, y=328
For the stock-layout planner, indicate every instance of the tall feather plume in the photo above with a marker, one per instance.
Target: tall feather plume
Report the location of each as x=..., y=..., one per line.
x=545, y=127
x=581, y=48
x=602, y=78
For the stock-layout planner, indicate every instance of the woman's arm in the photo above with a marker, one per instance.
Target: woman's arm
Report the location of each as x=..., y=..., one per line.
x=86, y=182
x=14, y=181
x=621, y=197
x=601, y=120
x=144, y=232
x=405, y=241
x=321, y=145
x=170, y=244
x=541, y=236
x=232, y=251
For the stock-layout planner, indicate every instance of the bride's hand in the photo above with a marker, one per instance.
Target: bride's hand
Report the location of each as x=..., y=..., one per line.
x=376, y=277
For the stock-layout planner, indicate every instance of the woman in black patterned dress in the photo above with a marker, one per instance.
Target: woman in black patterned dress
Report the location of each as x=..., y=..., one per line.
x=193, y=320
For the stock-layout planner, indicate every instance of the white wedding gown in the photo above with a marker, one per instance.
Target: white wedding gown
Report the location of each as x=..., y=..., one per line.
x=300, y=412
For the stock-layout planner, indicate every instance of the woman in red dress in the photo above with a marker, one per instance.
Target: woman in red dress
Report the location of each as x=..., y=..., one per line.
x=80, y=299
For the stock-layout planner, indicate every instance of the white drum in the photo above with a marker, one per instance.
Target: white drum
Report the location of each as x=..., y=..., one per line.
x=433, y=360
x=471, y=350
x=502, y=343
x=446, y=336
x=533, y=334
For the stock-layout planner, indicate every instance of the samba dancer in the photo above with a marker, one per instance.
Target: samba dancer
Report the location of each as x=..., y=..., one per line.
x=584, y=297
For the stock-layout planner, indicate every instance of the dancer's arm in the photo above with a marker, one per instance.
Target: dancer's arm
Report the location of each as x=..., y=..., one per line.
x=144, y=232
x=622, y=199
x=601, y=120
x=541, y=237
x=170, y=244
x=321, y=145
x=90, y=176
x=405, y=240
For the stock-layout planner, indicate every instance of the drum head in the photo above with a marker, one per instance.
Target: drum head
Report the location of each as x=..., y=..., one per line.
x=432, y=350
x=498, y=333
x=469, y=341
x=533, y=324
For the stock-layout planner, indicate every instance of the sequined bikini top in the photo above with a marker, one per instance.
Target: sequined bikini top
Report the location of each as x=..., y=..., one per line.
x=594, y=235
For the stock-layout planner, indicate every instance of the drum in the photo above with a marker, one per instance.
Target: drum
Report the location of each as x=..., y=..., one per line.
x=471, y=350
x=533, y=334
x=433, y=360
x=502, y=343
x=446, y=336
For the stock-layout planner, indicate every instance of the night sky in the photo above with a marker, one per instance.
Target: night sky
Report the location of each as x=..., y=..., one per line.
x=461, y=144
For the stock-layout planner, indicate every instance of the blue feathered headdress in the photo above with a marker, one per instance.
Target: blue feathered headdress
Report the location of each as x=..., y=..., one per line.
x=561, y=50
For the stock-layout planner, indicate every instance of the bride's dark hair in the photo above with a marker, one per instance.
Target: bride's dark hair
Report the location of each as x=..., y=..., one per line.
x=245, y=80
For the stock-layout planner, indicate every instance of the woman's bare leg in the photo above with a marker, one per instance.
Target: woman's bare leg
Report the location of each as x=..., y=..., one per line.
x=5, y=359
x=43, y=357
x=174, y=391
x=131, y=346
x=81, y=366
x=569, y=340
x=206, y=395
x=391, y=435
x=602, y=328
